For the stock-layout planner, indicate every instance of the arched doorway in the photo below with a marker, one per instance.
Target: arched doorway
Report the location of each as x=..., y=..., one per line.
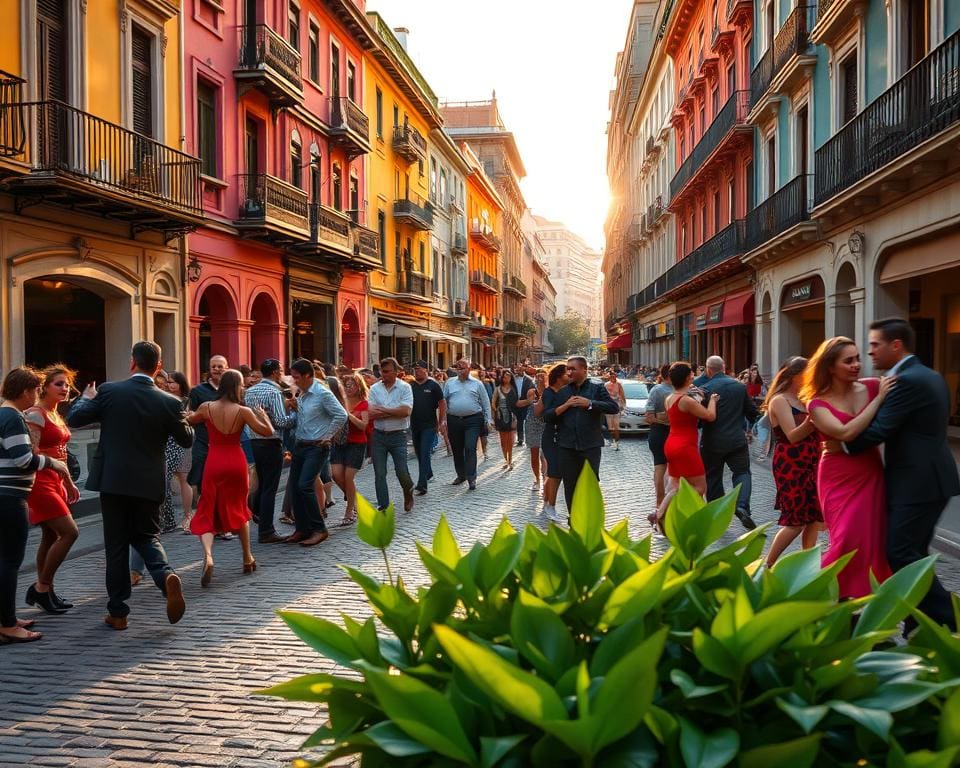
x=801, y=317
x=218, y=328
x=844, y=322
x=352, y=339
x=264, y=341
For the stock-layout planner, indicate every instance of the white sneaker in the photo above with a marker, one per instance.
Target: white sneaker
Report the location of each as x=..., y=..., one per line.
x=616, y=445
x=550, y=512
x=535, y=488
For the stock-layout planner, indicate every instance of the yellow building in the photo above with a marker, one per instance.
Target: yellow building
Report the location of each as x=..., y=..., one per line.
x=97, y=194
x=403, y=111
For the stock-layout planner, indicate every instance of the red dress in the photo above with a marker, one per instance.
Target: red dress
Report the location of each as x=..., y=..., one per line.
x=222, y=507
x=48, y=499
x=683, y=444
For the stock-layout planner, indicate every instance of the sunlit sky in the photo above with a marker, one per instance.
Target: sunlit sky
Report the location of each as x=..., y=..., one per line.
x=551, y=63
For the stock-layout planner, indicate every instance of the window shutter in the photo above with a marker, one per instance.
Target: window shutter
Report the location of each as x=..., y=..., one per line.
x=52, y=49
x=140, y=49
x=850, y=88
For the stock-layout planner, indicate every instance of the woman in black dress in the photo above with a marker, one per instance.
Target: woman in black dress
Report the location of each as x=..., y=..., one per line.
x=796, y=454
x=557, y=379
x=504, y=402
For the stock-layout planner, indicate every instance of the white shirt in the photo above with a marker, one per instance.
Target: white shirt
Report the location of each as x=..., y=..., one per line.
x=893, y=371
x=381, y=397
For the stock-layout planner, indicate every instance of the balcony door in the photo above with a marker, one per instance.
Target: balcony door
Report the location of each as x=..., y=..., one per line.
x=52, y=73
x=334, y=73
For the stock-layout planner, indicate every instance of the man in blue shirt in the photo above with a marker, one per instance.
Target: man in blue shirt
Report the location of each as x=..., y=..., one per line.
x=319, y=417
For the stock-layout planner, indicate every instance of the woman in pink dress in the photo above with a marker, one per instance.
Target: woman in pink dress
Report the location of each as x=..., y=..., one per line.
x=851, y=488
x=222, y=507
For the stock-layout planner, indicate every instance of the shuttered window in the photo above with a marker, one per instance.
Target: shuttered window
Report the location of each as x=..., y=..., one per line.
x=207, y=128
x=141, y=47
x=848, y=82
x=52, y=50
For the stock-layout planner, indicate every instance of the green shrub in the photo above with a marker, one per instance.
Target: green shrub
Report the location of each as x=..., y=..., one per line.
x=572, y=648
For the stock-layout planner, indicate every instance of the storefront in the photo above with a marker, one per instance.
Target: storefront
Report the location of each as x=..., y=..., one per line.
x=401, y=331
x=314, y=312
x=802, y=317
x=352, y=312
x=723, y=326
x=620, y=348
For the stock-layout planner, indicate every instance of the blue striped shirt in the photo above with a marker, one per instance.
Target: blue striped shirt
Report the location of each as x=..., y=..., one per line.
x=18, y=462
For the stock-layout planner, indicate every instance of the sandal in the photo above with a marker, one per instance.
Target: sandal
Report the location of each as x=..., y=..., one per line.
x=347, y=521
x=656, y=523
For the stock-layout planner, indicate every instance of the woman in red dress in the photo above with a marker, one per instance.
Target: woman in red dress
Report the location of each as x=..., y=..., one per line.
x=222, y=507
x=683, y=444
x=51, y=492
x=347, y=459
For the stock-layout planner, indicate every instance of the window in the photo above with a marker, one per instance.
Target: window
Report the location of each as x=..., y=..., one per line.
x=351, y=81
x=315, y=53
x=732, y=197
x=715, y=101
x=748, y=185
x=802, y=141
x=443, y=185
x=683, y=240
x=293, y=25
x=296, y=164
x=716, y=211
x=703, y=222
x=396, y=115
x=422, y=258
x=437, y=287
x=848, y=88
x=207, y=128
x=703, y=119
x=334, y=71
x=379, y=114
x=770, y=156
x=251, y=147
x=433, y=179
x=420, y=167
x=731, y=80
x=141, y=49
x=337, y=187
x=354, y=199
x=315, y=177
x=382, y=231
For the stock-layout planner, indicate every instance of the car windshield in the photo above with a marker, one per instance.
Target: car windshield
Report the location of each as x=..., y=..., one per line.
x=634, y=390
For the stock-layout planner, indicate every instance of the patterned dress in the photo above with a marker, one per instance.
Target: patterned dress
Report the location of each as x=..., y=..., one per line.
x=795, y=473
x=178, y=459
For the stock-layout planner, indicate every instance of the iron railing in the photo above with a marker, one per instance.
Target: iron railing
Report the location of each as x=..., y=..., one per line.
x=328, y=227
x=921, y=104
x=12, y=132
x=785, y=208
x=421, y=214
x=459, y=243
x=409, y=143
x=484, y=279
x=418, y=285
x=512, y=326
x=761, y=77
x=792, y=39
x=266, y=198
x=348, y=116
x=461, y=308
x=366, y=243
x=732, y=113
x=516, y=284
x=263, y=48
x=105, y=155
x=823, y=6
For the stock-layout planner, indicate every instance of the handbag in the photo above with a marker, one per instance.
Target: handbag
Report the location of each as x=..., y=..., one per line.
x=73, y=465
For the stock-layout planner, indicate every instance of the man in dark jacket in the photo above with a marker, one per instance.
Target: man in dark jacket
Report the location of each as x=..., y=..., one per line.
x=135, y=418
x=724, y=441
x=580, y=413
x=921, y=472
x=523, y=385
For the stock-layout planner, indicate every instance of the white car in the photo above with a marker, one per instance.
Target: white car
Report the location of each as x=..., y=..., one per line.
x=632, y=419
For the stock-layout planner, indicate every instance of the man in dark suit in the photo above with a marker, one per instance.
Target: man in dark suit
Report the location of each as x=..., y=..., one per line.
x=523, y=384
x=724, y=441
x=127, y=469
x=921, y=472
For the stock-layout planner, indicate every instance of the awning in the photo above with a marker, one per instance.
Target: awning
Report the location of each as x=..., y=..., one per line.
x=737, y=310
x=623, y=341
x=922, y=258
x=395, y=329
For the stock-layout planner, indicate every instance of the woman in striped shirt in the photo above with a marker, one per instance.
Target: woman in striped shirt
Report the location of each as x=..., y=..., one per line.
x=18, y=465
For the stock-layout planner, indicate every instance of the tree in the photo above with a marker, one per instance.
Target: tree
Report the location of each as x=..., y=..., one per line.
x=569, y=334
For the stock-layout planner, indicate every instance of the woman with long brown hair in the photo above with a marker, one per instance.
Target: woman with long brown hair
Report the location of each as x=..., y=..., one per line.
x=851, y=488
x=504, y=419
x=557, y=379
x=796, y=454
x=347, y=458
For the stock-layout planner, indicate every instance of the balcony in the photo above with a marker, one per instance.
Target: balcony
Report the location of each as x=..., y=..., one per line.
x=349, y=128
x=458, y=243
x=774, y=228
x=273, y=210
x=270, y=64
x=461, y=308
x=81, y=161
x=538, y=293
x=833, y=19
x=739, y=12
x=415, y=286
x=12, y=130
x=414, y=215
x=637, y=229
x=515, y=328
x=785, y=63
x=336, y=239
x=904, y=140
x=484, y=281
x=409, y=144
x=366, y=248
x=729, y=122
x=514, y=284
x=482, y=233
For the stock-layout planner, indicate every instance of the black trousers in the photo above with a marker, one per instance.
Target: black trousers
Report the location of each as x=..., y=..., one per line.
x=910, y=529
x=464, y=431
x=571, y=464
x=129, y=521
x=13, y=544
x=268, y=459
x=738, y=459
x=521, y=414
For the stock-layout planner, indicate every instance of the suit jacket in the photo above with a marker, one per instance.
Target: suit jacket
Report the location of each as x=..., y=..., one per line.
x=728, y=431
x=912, y=425
x=579, y=428
x=526, y=384
x=135, y=421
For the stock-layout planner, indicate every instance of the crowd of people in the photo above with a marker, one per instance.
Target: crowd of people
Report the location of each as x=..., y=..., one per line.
x=225, y=441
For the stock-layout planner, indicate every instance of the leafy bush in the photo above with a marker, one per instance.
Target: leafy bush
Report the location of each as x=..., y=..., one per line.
x=574, y=648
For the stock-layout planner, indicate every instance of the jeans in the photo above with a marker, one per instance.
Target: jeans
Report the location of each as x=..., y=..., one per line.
x=571, y=464
x=390, y=444
x=13, y=545
x=130, y=521
x=307, y=460
x=268, y=458
x=738, y=459
x=424, y=441
x=464, y=431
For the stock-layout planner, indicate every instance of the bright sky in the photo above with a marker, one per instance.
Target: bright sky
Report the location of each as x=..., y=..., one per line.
x=551, y=63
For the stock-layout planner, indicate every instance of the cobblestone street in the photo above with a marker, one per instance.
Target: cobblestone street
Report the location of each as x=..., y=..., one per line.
x=181, y=695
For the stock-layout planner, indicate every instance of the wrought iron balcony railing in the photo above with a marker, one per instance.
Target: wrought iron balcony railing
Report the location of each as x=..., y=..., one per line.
x=761, y=77
x=349, y=127
x=417, y=285
x=484, y=280
x=269, y=62
x=784, y=209
x=515, y=284
x=408, y=143
x=461, y=308
x=483, y=234
x=330, y=228
x=512, y=326
x=267, y=201
x=458, y=243
x=792, y=40
x=366, y=245
x=408, y=212
x=12, y=129
x=921, y=104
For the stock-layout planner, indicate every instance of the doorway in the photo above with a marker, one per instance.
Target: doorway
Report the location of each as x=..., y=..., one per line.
x=313, y=330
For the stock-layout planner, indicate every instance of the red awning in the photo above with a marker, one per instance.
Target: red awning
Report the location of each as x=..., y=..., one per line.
x=737, y=310
x=623, y=341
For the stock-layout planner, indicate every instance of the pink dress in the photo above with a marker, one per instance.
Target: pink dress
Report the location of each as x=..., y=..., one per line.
x=853, y=498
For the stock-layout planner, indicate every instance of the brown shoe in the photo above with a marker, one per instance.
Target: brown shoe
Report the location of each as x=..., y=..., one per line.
x=116, y=622
x=296, y=538
x=407, y=500
x=175, y=604
x=315, y=538
x=273, y=538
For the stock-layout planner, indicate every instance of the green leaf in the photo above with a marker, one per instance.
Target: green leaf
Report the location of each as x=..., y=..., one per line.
x=895, y=697
x=435, y=607
x=423, y=713
x=493, y=749
x=888, y=665
x=323, y=636
x=549, y=573
x=806, y=717
x=497, y=559
x=949, y=731
x=587, y=511
x=690, y=689
x=396, y=609
x=637, y=595
x=541, y=636
x=388, y=737
x=923, y=758
x=517, y=691
x=312, y=688
x=799, y=753
x=615, y=645
x=712, y=654
x=773, y=625
x=701, y=750
x=876, y=721
x=574, y=555
x=374, y=527
x=892, y=601
x=439, y=570
x=365, y=582
x=938, y=639
x=445, y=545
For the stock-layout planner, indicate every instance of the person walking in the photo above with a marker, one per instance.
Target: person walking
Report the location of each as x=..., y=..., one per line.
x=615, y=390
x=468, y=411
x=579, y=417
x=268, y=449
x=319, y=418
x=52, y=493
x=135, y=419
x=18, y=467
x=723, y=442
x=428, y=406
x=557, y=379
x=505, y=419
x=390, y=403
x=179, y=459
x=204, y=392
x=796, y=456
x=655, y=415
x=222, y=507
x=850, y=487
x=522, y=383
x=347, y=458
x=911, y=423
x=534, y=429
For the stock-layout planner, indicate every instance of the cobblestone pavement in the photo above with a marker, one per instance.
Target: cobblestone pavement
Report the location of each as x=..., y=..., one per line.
x=181, y=695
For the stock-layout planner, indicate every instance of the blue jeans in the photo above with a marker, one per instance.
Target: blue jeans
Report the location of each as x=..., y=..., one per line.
x=424, y=442
x=307, y=460
x=390, y=444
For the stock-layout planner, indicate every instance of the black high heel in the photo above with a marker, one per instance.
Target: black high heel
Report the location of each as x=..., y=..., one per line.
x=43, y=600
